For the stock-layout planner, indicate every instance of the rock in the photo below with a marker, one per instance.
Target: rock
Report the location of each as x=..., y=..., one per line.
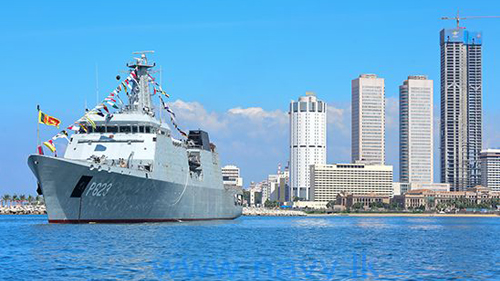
x=23, y=210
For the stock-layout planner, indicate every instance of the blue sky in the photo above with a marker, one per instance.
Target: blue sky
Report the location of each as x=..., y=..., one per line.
x=231, y=66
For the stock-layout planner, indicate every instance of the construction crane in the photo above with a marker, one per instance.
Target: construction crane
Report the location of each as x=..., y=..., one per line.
x=458, y=19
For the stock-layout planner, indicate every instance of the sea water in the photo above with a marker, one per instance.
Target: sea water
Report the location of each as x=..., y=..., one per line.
x=253, y=248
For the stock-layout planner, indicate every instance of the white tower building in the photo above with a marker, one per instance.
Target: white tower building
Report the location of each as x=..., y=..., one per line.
x=416, y=152
x=368, y=119
x=307, y=141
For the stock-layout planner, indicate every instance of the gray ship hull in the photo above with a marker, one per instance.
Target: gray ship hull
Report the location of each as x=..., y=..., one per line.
x=75, y=192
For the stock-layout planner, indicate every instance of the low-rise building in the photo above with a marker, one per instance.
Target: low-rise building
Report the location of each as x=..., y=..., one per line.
x=310, y=204
x=348, y=200
x=429, y=199
x=327, y=181
x=231, y=176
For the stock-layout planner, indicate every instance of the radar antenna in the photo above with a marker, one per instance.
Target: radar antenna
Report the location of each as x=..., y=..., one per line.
x=140, y=98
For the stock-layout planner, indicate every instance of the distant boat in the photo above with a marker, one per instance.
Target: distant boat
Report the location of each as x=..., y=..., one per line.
x=129, y=168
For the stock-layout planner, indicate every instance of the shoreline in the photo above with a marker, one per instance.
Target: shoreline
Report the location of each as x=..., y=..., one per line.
x=264, y=212
x=406, y=215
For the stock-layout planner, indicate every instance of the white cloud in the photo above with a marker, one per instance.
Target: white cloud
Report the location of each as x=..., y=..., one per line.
x=258, y=114
x=195, y=114
x=338, y=118
x=253, y=138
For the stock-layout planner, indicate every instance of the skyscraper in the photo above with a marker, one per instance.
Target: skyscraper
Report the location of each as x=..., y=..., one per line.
x=416, y=153
x=307, y=141
x=461, y=107
x=368, y=119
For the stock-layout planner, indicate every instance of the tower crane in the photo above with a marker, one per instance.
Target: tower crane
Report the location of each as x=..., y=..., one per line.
x=458, y=19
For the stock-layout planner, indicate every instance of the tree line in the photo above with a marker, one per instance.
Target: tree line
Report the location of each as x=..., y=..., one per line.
x=15, y=199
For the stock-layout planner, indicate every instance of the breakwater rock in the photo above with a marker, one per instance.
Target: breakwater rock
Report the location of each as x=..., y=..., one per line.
x=248, y=211
x=23, y=210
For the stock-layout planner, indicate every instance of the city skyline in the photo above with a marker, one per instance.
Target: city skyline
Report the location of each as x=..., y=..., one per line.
x=229, y=79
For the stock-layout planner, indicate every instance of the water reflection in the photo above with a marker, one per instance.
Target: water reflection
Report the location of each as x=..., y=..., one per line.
x=313, y=222
x=372, y=223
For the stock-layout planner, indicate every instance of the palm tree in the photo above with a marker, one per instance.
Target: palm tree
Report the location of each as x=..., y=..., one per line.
x=22, y=198
x=330, y=204
x=6, y=198
x=15, y=198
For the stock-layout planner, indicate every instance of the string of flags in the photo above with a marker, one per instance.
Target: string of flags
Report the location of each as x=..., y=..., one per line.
x=102, y=109
x=50, y=143
x=172, y=117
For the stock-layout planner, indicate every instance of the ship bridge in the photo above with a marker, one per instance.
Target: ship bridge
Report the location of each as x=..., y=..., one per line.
x=124, y=139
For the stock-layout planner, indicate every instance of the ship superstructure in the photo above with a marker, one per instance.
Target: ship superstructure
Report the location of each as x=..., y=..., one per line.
x=127, y=167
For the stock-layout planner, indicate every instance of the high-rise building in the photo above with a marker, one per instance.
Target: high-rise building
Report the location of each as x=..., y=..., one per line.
x=416, y=153
x=231, y=176
x=368, y=119
x=461, y=107
x=307, y=141
x=490, y=168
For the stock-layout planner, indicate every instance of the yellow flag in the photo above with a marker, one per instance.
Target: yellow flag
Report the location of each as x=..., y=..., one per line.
x=50, y=145
x=92, y=123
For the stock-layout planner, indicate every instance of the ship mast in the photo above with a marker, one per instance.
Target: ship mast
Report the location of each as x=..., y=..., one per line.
x=140, y=96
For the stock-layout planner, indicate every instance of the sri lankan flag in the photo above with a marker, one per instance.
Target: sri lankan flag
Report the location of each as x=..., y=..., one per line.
x=48, y=120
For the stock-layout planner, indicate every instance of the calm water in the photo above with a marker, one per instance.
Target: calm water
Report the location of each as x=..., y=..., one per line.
x=251, y=248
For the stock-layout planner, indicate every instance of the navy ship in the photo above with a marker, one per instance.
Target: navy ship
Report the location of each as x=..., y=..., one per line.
x=129, y=168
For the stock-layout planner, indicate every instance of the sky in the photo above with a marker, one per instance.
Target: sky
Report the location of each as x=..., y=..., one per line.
x=231, y=68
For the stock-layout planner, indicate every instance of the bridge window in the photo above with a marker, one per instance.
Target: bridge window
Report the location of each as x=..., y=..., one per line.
x=112, y=129
x=134, y=129
x=141, y=129
x=148, y=130
x=125, y=129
